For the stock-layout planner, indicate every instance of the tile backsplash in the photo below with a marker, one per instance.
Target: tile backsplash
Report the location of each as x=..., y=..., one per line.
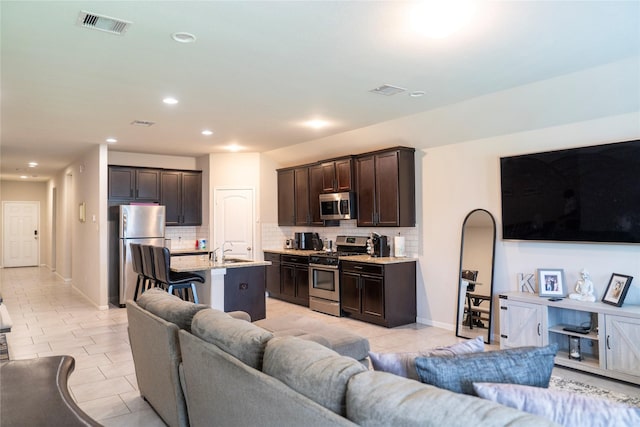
x=273, y=235
x=184, y=237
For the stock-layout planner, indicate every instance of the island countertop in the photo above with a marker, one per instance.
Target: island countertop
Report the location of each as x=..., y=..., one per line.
x=186, y=264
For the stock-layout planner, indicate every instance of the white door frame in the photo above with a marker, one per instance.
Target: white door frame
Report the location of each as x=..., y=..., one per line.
x=5, y=238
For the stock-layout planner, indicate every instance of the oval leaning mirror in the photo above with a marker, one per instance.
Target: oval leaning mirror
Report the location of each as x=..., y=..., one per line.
x=475, y=278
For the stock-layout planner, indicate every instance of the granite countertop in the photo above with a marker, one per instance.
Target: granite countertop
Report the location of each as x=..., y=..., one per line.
x=189, y=251
x=357, y=258
x=186, y=264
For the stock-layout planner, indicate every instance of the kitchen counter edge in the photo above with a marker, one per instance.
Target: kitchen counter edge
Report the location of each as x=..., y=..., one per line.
x=355, y=258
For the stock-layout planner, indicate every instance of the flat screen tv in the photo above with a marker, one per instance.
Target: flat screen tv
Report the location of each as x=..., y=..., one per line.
x=588, y=194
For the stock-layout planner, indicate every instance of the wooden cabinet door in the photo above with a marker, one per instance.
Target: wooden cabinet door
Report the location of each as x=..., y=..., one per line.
x=191, y=199
x=366, y=190
x=302, y=285
x=288, y=280
x=344, y=179
x=386, y=189
x=622, y=344
x=171, y=195
x=122, y=183
x=350, y=300
x=316, y=175
x=302, y=196
x=286, y=197
x=372, y=296
x=147, y=185
x=522, y=324
x=273, y=274
x=328, y=171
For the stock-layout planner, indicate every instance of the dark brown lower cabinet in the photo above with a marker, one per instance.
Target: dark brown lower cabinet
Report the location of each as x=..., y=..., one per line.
x=384, y=294
x=244, y=290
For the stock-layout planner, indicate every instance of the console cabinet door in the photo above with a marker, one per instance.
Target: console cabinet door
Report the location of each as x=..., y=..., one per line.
x=171, y=195
x=147, y=185
x=302, y=196
x=372, y=296
x=316, y=182
x=366, y=191
x=522, y=324
x=191, y=199
x=623, y=344
x=122, y=183
x=273, y=274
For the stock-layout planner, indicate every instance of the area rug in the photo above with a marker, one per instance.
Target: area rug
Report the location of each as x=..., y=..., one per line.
x=4, y=348
x=558, y=383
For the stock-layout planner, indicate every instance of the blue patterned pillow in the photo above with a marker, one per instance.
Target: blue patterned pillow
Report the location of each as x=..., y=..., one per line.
x=525, y=365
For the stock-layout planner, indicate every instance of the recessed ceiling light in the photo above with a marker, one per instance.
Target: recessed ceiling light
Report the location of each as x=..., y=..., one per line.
x=316, y=123
x=207, y=132
x=23, y=177
x=33, y=164
x=111, y=140
x=417, y=93
x=439, y=19
x=182, y=37
x=170, y=100
x=233, y=147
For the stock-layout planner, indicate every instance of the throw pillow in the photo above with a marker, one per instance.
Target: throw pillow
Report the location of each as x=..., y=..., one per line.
x=562, y=407
x=524, y=365
x=404, y=364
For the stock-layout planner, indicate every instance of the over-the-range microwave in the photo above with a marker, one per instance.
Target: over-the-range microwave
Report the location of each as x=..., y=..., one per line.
x=338, y=206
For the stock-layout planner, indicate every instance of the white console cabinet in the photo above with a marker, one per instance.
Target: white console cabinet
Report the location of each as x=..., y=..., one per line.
x=611, y=348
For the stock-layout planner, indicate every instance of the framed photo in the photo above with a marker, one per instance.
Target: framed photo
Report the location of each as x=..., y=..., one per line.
x=551, y=282
x=617, y=289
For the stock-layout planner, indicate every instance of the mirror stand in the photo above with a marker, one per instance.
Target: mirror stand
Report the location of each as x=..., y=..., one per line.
x=475, y=278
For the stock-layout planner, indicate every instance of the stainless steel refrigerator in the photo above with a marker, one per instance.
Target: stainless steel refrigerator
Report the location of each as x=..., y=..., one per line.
x=129, y=224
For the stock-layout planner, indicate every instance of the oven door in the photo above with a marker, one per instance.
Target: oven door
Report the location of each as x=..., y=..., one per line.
x=324, y=282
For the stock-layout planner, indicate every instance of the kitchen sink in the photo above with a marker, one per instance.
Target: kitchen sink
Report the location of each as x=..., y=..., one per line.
x=235, y=260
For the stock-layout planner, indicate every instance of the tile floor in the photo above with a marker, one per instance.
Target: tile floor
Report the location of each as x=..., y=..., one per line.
x=50, y=318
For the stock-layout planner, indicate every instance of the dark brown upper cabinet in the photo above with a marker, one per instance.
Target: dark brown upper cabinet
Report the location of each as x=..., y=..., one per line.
x=385, y=187
x=130, y=184
x=182, y=197
x=337, y=175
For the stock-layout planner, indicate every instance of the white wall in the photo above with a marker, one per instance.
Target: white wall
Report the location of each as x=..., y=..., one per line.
x=599, y=105
x=122, y=158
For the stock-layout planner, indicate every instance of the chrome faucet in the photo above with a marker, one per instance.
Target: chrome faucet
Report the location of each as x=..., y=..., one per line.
x=222, y=251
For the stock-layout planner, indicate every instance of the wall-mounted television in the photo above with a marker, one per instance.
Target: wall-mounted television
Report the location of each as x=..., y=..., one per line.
x=588, y=194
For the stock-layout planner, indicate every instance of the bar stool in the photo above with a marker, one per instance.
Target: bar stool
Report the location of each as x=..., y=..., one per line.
x=136, y=263
x=173, y=280
x=148, y=268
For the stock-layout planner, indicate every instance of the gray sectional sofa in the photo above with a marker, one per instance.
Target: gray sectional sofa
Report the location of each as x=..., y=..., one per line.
x=198, y=366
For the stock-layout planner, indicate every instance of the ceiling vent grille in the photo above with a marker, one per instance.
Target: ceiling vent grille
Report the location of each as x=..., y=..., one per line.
x=387, y=90
x=142, y=123
x=103, y=23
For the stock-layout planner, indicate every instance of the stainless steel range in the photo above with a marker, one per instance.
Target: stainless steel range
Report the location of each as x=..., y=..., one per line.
x=324, y=274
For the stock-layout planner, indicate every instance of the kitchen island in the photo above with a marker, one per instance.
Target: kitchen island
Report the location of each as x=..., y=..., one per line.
x=230, y=285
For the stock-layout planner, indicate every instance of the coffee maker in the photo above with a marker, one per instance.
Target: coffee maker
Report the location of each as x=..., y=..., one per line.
x=377, y=246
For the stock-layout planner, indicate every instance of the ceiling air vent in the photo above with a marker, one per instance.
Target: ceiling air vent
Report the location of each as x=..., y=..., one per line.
x=387, y=90
x=103, y=23
x=142, y=123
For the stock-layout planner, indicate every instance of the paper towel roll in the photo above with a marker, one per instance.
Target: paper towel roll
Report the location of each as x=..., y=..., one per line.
x=398, y=246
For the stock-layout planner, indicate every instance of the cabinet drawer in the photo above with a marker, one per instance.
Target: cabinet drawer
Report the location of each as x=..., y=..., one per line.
x=268, y=256
x=361, y=267
x=295, y=259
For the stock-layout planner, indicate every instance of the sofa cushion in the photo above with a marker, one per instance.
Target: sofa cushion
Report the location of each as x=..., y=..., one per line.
x=169, y=307
x=404, y=364
x=563, y=407
x=524, y=365
x=341, y=341
x=311, y=369
x=241, y=339
x=381, y=399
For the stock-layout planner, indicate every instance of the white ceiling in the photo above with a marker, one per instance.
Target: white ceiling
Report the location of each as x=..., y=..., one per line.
x=258, y=69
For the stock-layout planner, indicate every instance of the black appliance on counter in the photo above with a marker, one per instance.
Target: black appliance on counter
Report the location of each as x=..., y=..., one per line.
x=324, y=274
x=379, y=246
x=307, y=241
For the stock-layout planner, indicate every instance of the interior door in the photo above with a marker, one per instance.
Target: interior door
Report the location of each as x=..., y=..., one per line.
x=21, y=242
x=233, y=221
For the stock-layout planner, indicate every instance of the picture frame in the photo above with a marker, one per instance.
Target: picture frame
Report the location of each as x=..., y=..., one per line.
x=617, y=289
x=551, y=282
